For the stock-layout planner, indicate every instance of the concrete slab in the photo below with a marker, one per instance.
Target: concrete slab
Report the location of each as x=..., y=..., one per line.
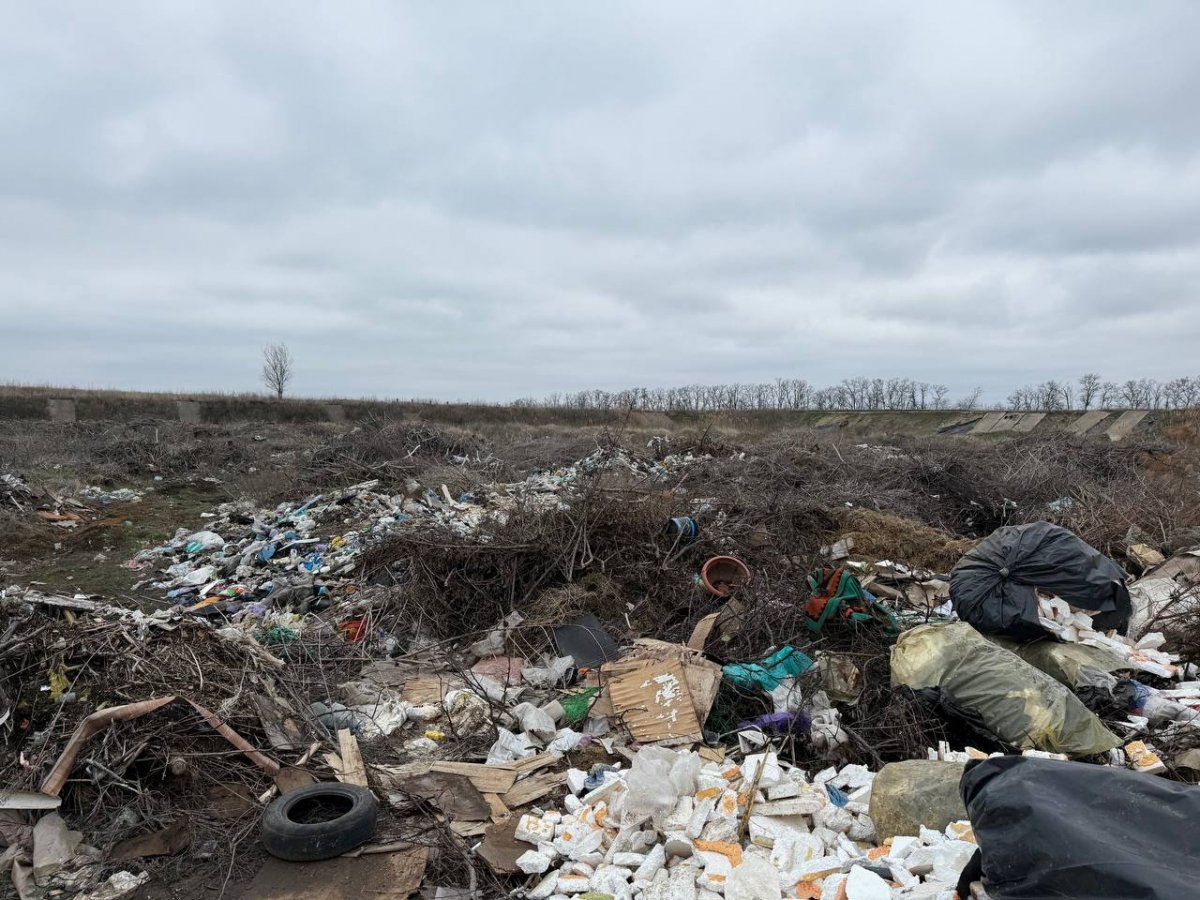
x=1088, y=421
x=1028, y=422
x=62, y=410
x=997, y=422
x=189, y=411
x=1125, y=423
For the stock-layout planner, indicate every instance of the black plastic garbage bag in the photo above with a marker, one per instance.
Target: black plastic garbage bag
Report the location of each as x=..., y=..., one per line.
x=1048, y=830
x=994, y=586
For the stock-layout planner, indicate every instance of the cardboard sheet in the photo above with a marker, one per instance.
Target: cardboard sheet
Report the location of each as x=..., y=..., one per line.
x=655, y=703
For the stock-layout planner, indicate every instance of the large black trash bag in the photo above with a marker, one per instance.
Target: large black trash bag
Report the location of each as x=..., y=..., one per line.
x=1048, y=830
x=994, y=586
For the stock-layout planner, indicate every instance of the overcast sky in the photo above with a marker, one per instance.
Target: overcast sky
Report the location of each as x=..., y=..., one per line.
x=492, y=200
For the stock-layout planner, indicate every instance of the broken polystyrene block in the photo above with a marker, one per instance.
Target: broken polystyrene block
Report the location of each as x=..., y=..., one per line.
x=612, y=783
x=1044, y=754
x=576, y=778
x=827, y=838
x=834, y=818
x=572, y=804
x=863, y=829
x=699, y=816
x=573, y=884
x=1151, y=641
x=628, y=860
x=544, y=888
x=726, y=807
x=682, y=885
x=952, y=857
x=533, y=862
x=612, y=880
x=862, y=884
x=681, y=815
x=901, y=875
x=655, y=860
x=847, y=849
x=578, y=867
x=766, y=830
x=720, y=830
x=1143, y=759
x=771, y=775
x=831, y=887
x=707, y=781
x=853, y=776
x=717, y=869
x=816, y=869
x=920, y=860
x=825, y=775
x=678, y=845
x=960, y=831
x=860, y=795
x=929, y=836
x=533, y=830
x=810, y=800
x=901, y=846
x=643, y=841
x=784, y=790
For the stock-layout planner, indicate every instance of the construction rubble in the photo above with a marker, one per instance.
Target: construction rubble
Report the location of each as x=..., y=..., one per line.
x=592, y=683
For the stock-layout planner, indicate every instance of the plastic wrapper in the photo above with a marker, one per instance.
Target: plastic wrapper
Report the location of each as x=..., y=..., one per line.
x=658, y=778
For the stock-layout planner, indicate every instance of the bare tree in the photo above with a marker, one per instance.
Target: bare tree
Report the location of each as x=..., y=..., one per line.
x=971, y=400
x=1089, y=389
x=278, y=368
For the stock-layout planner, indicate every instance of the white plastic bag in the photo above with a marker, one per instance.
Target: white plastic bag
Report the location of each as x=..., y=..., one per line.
x=657, y=779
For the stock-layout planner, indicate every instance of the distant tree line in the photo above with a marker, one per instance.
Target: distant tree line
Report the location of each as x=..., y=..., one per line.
x=1089, y=392
x=782, y=393
x=1092, y=392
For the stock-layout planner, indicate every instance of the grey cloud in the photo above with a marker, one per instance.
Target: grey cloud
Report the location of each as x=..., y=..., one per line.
x=491, y=201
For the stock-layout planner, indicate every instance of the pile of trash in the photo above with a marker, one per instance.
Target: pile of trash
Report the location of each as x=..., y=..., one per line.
x=245, y=554
x=651, y=701
x=66, y=510
x=677, y=825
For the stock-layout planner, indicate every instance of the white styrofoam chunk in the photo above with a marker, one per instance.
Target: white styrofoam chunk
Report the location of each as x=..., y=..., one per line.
x=533, y=862
x=862, y=884
x=533, y=829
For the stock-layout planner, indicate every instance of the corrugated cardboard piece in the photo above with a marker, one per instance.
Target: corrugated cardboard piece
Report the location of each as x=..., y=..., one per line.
x=655, y=703
x=701, y=681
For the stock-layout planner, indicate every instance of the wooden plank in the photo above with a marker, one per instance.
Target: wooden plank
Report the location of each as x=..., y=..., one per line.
x=532, y=763
x=488, y=779
x=499, y=809
x=353, y=770
x=533, y=788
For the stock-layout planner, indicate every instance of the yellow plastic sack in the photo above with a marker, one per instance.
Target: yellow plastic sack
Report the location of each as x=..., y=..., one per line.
x=1021, y=705
x=1065, y=662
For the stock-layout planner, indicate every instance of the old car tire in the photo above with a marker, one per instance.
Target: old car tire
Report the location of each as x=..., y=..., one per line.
x=320, y=821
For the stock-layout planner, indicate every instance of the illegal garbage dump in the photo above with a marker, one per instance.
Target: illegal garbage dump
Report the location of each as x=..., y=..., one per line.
x=679, y=670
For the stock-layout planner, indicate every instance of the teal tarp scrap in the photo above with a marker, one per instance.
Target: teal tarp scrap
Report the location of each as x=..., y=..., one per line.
x=784, y=663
